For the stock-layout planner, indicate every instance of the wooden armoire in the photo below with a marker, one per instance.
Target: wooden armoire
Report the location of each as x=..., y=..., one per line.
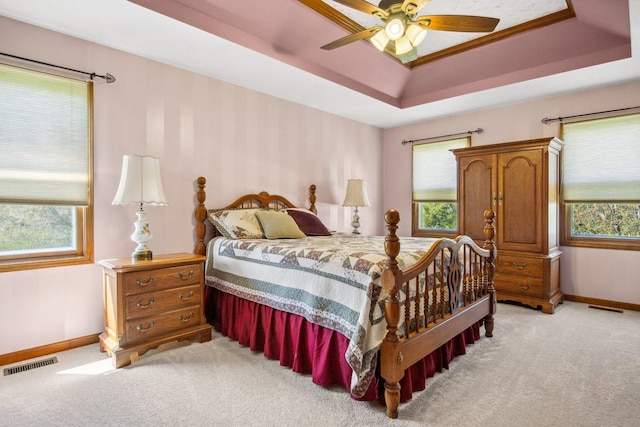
x=520, y=182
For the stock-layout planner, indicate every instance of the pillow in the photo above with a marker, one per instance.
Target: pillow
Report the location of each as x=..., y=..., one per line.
x=277, y=225
x=237, y=223
x=308, y=222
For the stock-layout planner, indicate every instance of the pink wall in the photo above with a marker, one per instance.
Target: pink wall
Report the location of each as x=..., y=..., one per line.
x=201, y=126
x=241, y=140
x=603, y=274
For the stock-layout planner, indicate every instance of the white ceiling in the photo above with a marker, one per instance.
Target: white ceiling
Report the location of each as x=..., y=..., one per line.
x=131, y=28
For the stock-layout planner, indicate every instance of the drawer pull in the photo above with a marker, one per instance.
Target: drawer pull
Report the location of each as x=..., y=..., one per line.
x=186, y=276
x=143, y=283
x=186, y=319
x=143, y=329
x=186, y=298
x=524, y=286
x=519, y=267
x=147, y=305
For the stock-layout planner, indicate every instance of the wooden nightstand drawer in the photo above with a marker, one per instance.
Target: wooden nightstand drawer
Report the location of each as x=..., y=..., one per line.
x=518, y=285
x=162, y=278
x=519, y=266
x=151, y=303
x=149, y=327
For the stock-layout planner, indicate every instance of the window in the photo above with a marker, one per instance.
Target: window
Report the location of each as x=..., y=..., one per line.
x=435, y=208
x=601, y=183
x=45, y=170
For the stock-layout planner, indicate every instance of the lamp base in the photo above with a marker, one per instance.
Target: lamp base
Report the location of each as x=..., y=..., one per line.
x=356, y=222
x=143, y=255
x=141, y=236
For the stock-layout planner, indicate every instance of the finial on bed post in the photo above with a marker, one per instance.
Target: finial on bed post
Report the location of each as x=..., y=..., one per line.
x=490, y=268
x=391, y=366
x=391, y=241
x=312, y=199
x=200, y=215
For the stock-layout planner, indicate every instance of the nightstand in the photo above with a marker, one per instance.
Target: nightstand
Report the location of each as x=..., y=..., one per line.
x=150, y=303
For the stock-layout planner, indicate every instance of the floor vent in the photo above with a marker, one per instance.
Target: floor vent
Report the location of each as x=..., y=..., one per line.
x=602, y=307
x=30, y=365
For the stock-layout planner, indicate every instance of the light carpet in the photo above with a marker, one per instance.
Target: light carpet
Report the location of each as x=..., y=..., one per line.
x=578, y=367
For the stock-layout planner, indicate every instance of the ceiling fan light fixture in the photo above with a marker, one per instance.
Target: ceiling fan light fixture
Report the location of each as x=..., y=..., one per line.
x=416, y=34
x=403, y=45
x=395, y=27
x=380, y=40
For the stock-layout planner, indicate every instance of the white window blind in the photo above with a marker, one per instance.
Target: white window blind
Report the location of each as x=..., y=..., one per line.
x=44, y=138
x=434, y=170
x=601, y=160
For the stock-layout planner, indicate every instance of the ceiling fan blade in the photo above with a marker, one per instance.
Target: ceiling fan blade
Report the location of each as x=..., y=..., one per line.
x=461, y=23
x=365, y=7
x=411, y=7
x=352, y=38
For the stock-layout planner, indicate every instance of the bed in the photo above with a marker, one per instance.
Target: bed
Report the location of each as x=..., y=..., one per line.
x=376, y=315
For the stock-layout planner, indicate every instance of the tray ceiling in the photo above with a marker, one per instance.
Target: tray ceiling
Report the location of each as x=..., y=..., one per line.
x=535, y=38
x=540, y=48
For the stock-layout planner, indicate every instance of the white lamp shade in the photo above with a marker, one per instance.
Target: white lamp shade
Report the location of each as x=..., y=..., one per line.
x=356, y=193
x=140, y=182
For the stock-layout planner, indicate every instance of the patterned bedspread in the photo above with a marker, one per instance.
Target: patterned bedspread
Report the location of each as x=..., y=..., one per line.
x=333, y=281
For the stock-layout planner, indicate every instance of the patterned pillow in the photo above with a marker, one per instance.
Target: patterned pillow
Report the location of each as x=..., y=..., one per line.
x=308, y=222
x=277, y=225
x=237, y=223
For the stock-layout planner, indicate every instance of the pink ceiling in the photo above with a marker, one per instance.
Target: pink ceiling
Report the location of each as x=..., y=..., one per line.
x=290, y=32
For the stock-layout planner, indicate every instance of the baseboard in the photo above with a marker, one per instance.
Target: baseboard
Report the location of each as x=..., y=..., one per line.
x=44, y=350
x=603, y=302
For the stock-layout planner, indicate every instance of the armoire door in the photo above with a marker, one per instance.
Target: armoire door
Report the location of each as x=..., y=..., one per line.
x=476, y=191
x=520, y=200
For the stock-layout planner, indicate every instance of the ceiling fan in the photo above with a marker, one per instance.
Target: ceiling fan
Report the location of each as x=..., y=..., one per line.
x=402, y=30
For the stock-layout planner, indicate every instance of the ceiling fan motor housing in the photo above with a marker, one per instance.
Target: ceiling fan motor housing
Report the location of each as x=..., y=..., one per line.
x=386, y=4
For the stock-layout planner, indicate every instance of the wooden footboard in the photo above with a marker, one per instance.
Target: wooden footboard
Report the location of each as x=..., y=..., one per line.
x=457, y=268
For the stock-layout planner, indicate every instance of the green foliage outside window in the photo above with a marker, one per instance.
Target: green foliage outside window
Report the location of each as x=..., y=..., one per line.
x=36, y=227
x=438, y=216
x=606, y=219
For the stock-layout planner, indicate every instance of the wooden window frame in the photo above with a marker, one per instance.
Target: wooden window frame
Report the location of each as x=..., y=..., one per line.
x=83, y=253
x=416, y=231
x=597, y=242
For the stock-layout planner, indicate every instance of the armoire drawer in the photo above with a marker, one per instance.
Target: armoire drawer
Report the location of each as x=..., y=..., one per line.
x=519, y=266
x=519, y=285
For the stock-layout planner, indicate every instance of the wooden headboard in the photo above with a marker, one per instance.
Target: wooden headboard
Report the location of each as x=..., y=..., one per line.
x=259, y=200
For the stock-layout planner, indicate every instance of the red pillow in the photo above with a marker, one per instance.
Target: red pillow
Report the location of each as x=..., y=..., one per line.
x=309, y=223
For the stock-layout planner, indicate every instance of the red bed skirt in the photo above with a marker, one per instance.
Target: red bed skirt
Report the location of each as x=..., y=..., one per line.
x=311, y=349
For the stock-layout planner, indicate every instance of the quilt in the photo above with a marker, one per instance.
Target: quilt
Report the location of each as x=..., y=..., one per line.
x=333, y=281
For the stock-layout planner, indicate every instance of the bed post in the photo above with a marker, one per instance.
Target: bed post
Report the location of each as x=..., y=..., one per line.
x=390, y=358
x=312, y=199
x=200, y=215
x=490, y=268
